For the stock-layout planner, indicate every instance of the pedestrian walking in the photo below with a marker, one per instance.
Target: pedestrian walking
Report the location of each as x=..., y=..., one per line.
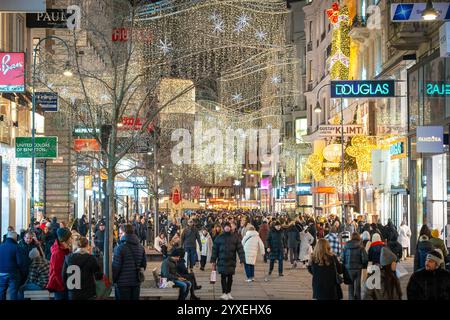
x=293, y=241
x=306, y=242
x=325, y=269
x=205, y=250
x=128, y=262
x=190, y=237
x=354, y=260
x=438, y=243
x=375, y=249
x=423, y=248
x=334, y=241
x=99, y=238
x=10, y=265
x=223, y=258
x=252, y=245
x=263, y=234
x=276, y=247
x=405, y=239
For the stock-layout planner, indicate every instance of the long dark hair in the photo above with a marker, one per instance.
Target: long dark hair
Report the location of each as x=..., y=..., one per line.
x=391, y=283
x=425, y=231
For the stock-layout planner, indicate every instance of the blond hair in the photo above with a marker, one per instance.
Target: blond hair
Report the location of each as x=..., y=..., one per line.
x=322, y=254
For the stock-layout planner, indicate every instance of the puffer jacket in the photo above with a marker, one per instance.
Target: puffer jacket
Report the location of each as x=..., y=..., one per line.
x=375, y=251
x=55, y=280
x=423, y=248
x=354, y=256
x=429, y=285
x=276, y=243
x=90, y=271
x=224, y=252
x=11, y=259
x=189, y=237
x=252, y=243
x=264, y=232
x=380, y=293
x=293, y=237
x=128, y=257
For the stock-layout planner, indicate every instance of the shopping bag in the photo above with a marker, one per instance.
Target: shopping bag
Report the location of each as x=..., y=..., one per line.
x=400, y=271
x=213, y=277
x=162, y=283
x=103, y=288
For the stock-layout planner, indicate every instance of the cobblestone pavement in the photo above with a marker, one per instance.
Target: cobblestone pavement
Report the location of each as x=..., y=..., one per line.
x=295, y=285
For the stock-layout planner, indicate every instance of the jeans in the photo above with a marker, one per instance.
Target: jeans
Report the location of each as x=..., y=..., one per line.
x=184, y=286
x=29, y=286
x=354, y=288
x=249, y=271
x=293, y=255
x=227, y=282
x=61, y=295
x=9, y=281
x=127, y=293
x=280, y=263
x=203, y=261
x=191, y=257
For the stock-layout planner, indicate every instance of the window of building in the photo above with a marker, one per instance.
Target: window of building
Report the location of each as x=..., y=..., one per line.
x=20, y=32
x=301, y=128
x=288, y=132
x=38, y=50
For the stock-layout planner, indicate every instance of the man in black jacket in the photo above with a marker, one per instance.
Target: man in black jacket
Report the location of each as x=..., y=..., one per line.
x=99, y=237
x=129, y=258
x=189, y=276
x=276, y=247
x=431, y=282
x=169, y=271
x=189, y=237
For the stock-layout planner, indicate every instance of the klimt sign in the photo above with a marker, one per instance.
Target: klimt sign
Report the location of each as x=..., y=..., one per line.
x=44, y=147
x=430, y=139
x=336, y=130
x=363, y=89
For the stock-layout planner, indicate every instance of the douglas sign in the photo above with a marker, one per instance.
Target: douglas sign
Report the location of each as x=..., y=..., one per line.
x=363, y=89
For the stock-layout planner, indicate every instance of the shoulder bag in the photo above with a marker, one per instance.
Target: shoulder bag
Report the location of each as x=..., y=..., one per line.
x=140, y=273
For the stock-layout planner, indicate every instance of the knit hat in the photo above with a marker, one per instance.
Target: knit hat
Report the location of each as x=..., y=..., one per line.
x=376, y=237
x=387, y=256
x=435, y=233
x=63, y=234
x=424, y=237
x=365, y=236
x=34, y=253
x=436, y=256
x=12, y=235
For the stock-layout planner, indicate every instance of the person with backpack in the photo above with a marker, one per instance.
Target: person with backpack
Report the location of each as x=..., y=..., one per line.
x=423, y=248
x=354, y=260
x=128, y=262
x=89, y=271
x=252, y=245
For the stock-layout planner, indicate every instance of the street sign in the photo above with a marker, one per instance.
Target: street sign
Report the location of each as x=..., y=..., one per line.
x=362, y=88
x=412, y=12
x=48, y=101
x=336, y=130
x=83, y=132
x=44, y=147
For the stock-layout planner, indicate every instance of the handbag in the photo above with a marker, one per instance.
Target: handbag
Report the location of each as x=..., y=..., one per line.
x=103, y=288
x=339, y=279
x=140, y=273
x=213, y=277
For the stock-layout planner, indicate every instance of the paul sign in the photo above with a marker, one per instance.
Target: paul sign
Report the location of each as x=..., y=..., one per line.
x=363, y=89
x=12, y=72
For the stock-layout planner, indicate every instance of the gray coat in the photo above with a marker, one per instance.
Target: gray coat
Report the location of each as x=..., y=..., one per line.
x=189, y=236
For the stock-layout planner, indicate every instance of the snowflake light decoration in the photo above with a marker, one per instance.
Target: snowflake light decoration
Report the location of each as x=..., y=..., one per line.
x=242, y=23
x=165, y=46
x=237, y=97
x=276, y=79
x=219, y=26
x=261, y=35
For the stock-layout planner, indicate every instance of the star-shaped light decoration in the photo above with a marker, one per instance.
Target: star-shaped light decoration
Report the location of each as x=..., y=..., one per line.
x=237, y=97
x=104, y=97
x=165, y=46
x=261, y=35
x=214, y=16
x=242, y=23
x=219, y=26
x=276, y=79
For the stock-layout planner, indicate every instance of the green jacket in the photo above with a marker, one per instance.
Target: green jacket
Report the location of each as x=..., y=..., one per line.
x=438, y=243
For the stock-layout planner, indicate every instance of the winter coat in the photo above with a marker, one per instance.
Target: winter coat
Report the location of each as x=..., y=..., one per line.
x=143, y=231
x=391, y=232
x=90, y=271
x=11, y=260
x=375, y=252
x=264, y=232
x=293, y=237
x=396, y=248
x=429, y=285
x=159, y=243
x=354, y=256
x=438, y=243
x=378, y=293
x=83, y=228
x=306, y=240
x=38, y=272
x=423, y=248
x=206, y=248
x=55, y=280
x=252, y=243
x=128, y=257
x=169, y=269
x=276, y=243
x=99, y=239
x=48, y=241
x=324, y=282
x=224, y=252
x=189, y=237
x=404, y=236
x=25, y=249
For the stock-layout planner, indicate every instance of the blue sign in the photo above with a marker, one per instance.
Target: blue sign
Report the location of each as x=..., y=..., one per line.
x=412, y=12
x=363, y=89
x=48, y=101
x=430, y=139
x=437, y=89
x=303, y=189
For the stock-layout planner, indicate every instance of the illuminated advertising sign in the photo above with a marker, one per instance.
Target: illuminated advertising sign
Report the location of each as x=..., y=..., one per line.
x=412, y=12
x=12, y=72
x=398, y=149
x=336, y=130
x=430, y=139
x=303, y=189
x=363, y=89
x=437, y=89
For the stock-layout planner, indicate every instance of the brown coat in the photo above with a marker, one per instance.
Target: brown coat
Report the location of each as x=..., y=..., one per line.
x=264, y=232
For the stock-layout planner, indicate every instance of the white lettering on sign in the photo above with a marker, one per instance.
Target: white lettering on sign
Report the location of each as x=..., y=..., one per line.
x=6, y=67
x=429, y=139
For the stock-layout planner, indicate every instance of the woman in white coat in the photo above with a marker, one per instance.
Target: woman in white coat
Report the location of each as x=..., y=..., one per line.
x=252, y=244
x=160, y=243
x=306, y=240
x=206, y=250
x=404, y=237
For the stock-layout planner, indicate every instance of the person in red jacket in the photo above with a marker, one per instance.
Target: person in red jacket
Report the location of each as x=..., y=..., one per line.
x=60, y=249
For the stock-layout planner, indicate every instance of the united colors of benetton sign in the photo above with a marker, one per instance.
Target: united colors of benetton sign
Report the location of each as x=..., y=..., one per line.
x=363, y=89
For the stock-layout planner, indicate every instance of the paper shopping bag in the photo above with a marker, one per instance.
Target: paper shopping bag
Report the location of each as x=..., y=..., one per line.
x=213, y=277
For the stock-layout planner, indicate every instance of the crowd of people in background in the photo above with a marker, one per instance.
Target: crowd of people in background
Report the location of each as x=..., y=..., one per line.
x=334, y=252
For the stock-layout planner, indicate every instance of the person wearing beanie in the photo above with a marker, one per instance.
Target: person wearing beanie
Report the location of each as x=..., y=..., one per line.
x=431, y=282
x=37, y=273
x=99, y=237
x=11, y=262
x=169, y=271
x=60, y=249
x=375, y=249
x=438, y=243
x=389, y=285
x=423, y=248
x=277, y=247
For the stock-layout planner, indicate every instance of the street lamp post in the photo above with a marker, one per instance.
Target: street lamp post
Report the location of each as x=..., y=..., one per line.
x=66, y=73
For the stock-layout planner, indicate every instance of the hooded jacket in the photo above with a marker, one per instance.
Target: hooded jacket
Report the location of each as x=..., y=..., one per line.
x=354, y=256
x=293, y=237
x=276, y=243
x=224, y=252
x=55, y=280
x=429, y=285
x=128, y=257
x=252, y=243
x=11, y=259
x=423, y=247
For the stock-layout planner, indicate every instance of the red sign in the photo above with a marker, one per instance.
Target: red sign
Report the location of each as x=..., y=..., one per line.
x=176, y=196
x=12, y=72
x=323, y=190
x=86, y=145
x=131, y=123
x=120, y=34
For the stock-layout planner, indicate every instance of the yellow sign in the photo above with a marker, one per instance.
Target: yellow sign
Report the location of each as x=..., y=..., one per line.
x=87, y=182
x=398, y=149
x=103, y=174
